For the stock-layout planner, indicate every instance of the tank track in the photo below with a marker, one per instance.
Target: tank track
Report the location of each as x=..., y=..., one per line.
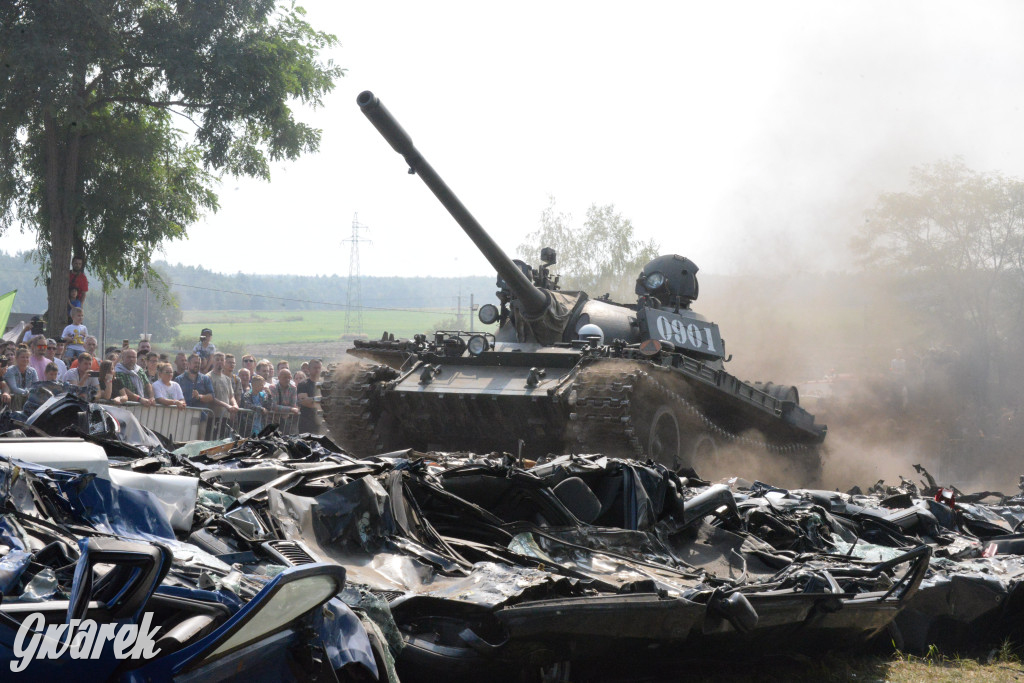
x=353, y=409
x=603, y=407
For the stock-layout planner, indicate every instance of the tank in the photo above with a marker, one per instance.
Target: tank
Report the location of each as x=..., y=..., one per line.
x=564, y=372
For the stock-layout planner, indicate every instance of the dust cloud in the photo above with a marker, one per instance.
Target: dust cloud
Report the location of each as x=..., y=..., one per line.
x=846, y=121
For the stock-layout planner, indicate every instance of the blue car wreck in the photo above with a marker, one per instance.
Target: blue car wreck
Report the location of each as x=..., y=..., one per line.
x=95, y=584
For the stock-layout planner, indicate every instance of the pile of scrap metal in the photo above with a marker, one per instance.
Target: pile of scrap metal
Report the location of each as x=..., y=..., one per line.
x=460, y=565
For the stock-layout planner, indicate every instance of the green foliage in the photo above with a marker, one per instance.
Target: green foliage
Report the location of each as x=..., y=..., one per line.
x=127, y=313
x=955, y=243
x=91, y=93
x=601, y=256
x=952, y=248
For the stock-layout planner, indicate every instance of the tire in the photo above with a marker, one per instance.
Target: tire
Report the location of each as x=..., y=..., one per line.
x=355, y=412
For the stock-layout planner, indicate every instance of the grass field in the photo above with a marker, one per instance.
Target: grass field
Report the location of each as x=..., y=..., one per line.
x=273, y=327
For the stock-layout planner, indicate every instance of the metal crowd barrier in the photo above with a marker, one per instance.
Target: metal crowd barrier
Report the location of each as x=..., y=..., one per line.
x=197, y=424
x=246, y=419
x=178, y=424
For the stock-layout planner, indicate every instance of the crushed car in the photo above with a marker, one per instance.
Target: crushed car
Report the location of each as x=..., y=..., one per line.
x=413, y=566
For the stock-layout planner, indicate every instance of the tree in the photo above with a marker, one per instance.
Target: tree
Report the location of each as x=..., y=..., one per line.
x=91, y=93
x=127, y=314
x=599, y=257
x=954, y=243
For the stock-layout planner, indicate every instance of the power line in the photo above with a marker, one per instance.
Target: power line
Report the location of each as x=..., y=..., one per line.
x=353, y=292
x=308, y=301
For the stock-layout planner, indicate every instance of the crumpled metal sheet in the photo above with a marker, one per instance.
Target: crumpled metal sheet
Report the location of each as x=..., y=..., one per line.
x=470, y=565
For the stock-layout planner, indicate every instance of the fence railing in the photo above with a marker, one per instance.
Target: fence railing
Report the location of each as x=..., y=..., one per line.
x=199, y=424
x=178, y=424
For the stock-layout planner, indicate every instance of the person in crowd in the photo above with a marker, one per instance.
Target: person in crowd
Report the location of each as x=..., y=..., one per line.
x=90, y=344
x=53, y=353
x=283, y=395
x=77, y=278
x=180, y=363
x=244, y=381
x=236, y=383
x=195, y=385
x=224, y=405
x=75, y=333
x=256, y=400
x=78, y=379
x=62, y=347
x=166, y=391
x=309, y=398
x=300, y=377
x=111, y=388
x=152, y=361
x=205, y=349
x=304, y=368
x=50, y=374
x=134, y=379
x=5, y=394
x=38, y=359
x=266, y=369
x=144, y=348
x=282, y=364
x=74, y=301
x=249, y=363
x=21, y=375
x=27, y=332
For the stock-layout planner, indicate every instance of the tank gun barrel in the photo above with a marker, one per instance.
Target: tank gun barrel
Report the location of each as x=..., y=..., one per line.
x=532, y=299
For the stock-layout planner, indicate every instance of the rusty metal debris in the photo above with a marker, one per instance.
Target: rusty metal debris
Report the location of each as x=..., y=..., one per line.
x=473, y=566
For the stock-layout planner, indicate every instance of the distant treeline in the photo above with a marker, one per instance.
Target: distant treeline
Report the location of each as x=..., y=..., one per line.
x=201, y=289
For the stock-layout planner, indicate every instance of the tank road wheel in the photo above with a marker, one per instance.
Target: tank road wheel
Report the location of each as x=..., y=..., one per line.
x=669, y=444
x=663, y=439
x=702, y=452
x=354, y=409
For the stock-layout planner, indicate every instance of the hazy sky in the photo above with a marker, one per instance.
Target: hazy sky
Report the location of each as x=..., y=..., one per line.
x=739, y=134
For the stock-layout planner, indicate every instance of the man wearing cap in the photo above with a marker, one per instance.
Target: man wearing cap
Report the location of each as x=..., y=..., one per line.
x=205, y=350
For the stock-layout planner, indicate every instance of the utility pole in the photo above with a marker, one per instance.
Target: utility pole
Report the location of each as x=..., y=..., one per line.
x=472, y=311
x=103, y=322
x=458, y=314
x=354, y=294
x=145, y=320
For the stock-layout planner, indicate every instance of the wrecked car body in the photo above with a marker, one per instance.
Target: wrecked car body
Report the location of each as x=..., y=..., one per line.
x=422, y=565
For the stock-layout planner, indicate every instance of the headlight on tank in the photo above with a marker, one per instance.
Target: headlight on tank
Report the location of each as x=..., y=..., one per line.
x=654, y=281
x=477, y=345
x=488, y=314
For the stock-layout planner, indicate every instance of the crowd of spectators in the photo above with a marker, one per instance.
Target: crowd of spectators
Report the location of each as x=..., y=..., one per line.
x=245, y=399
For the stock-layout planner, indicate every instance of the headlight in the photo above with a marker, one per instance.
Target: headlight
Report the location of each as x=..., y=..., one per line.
x=477, y=345
x=488, y=314
x=654, y=281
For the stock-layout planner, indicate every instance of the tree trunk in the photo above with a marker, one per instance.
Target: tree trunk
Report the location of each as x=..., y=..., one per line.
x=62, y=158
